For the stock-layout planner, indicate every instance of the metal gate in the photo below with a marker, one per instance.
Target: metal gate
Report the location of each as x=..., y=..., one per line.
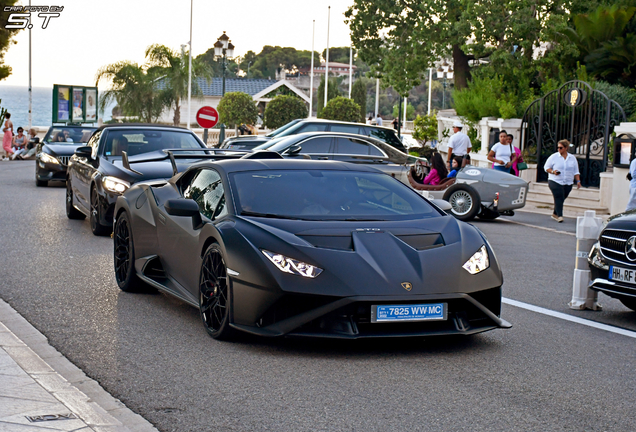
x=578, y=113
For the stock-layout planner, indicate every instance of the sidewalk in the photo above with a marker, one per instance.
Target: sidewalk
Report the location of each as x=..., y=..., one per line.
x=40, y=390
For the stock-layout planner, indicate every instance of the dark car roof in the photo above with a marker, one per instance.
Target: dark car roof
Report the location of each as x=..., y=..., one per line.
x=317, y=120
x=238, y=165
x=141, y=126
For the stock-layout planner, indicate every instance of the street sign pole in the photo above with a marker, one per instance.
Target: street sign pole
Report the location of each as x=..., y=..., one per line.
x=205, y=136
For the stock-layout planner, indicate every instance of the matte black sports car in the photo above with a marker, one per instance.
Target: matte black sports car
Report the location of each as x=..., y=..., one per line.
x=612, y=259
x=306, y=248
x=55, y=150
x=118, y=156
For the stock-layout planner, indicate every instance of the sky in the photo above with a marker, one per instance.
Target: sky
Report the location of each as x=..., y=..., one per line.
x=92, y=33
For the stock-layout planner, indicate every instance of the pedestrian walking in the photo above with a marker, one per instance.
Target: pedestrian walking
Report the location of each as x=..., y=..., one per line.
x=631, y=176
x=7, y=138
x=502, y=154
x=378, y=120
x=563, y=170
x=396, y=124
x=459, y=144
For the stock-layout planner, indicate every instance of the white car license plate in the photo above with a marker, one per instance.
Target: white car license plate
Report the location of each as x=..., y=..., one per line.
x=622, y=274
x=412, y=312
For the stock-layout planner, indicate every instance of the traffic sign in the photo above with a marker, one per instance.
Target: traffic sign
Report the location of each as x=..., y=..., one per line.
x=207, y=117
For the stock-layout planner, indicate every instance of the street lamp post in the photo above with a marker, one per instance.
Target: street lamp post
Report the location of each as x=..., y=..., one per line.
x=445, y=71
x=223, y=48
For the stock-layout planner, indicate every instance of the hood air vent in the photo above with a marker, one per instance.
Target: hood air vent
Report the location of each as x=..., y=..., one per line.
x=422, y=241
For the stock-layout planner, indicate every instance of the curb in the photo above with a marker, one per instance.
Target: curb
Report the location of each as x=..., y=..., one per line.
x=63, y=380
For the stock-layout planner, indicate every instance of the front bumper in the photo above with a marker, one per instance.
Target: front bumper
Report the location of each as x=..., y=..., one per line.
x=350, y=317
x=50, y=171
x=599, y=271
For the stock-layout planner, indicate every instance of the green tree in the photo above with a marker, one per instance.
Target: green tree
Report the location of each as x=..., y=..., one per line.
x=341, y=108
x=173, y=67
x=133, y=88
x=425, y=128
x=359, y=96
x=283, y=109
x=6, y=38
x=338, y=54
x=332, y=92
x=236, y=108
x=410, y=111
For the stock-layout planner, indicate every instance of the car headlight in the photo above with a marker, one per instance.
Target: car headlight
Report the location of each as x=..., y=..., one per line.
x=47, y=158
x=594, y=257
x=113, y=184
x=290, y=265
x=478, y=262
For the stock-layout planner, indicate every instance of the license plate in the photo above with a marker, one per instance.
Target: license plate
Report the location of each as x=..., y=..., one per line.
x=414, y=312
x=622, y=274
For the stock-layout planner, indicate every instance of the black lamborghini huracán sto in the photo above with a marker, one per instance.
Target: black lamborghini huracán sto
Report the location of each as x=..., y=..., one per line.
x=279, y=247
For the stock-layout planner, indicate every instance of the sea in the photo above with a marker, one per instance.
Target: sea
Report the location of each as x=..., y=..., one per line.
x=16, y=100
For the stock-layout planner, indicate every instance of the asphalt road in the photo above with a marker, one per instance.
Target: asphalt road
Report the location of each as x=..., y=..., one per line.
x=151, y=351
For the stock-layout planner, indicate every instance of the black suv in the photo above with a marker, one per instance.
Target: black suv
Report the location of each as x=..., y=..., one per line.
x=612, y=259
x=101, y=171
x=294, y=127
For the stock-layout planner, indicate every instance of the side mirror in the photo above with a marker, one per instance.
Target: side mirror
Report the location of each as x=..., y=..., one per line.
x=187, y=208
x=443, y=204
x=84, y=151
x=294, y=149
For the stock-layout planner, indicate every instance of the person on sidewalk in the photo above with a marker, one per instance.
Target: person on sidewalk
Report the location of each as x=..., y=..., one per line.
x=502, y=154
x=563, y=169
x=7, y=138
x=459, y=144
x=631, y=205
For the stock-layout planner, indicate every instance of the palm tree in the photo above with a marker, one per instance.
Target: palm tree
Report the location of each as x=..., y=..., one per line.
x=172, y=68
x=133, y=88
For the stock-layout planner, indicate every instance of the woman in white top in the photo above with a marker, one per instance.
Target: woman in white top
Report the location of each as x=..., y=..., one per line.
x=563, y=170
x=502, y=154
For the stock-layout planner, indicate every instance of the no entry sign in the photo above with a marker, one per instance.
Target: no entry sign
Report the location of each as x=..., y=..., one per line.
x=207, y=117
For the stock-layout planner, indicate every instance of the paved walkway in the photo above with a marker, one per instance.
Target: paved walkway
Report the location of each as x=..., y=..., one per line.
x=40, y=390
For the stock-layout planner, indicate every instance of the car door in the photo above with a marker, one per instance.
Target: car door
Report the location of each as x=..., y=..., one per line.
x=179, y=240
x=83, y=170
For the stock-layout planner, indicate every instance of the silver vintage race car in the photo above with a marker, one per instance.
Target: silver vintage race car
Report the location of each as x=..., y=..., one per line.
x=475, y=191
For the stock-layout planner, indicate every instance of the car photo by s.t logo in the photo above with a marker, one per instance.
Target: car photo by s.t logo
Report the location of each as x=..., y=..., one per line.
x=20, y=18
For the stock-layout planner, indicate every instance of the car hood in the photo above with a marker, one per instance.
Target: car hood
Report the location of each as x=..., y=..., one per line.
x=626, y=220
x=376, y=258
x=61, y=149
x=150, y=170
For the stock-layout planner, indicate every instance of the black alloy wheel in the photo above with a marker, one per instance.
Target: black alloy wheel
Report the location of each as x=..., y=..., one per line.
x=215, y=295
x=97, y=228
x=71, y=211
x=124, y=256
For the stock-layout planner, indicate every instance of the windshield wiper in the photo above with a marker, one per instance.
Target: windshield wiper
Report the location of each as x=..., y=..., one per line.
x=268, y=215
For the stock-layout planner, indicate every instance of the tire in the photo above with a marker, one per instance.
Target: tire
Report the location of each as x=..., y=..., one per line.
x=488, y=214
x=464, y=201
x=71, y=211
x=40, y=183
x=97, y=228
x=124, y=256
x=215, y=295
x=629, y=302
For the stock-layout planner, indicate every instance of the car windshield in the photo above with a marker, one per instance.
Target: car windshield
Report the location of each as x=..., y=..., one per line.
x=387, y=136
x=140, y=141
x=68, y=135
x=282, y=128
x=326, y=195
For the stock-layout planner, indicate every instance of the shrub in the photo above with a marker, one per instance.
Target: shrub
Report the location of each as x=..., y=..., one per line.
x=425, y=128
x=283, y=109
x=237, y=108
x=341, y=108
x=624, y=96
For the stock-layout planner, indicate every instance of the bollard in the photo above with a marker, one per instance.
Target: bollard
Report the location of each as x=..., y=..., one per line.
x=588, y=228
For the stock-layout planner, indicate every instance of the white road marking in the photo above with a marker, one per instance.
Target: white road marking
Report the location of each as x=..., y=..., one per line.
x=539, y=227
x=570, y=318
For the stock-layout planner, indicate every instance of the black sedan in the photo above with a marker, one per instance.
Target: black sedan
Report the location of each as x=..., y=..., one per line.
x=612, y=259
x=118, y=156
x=278, y=247
x=55, y=151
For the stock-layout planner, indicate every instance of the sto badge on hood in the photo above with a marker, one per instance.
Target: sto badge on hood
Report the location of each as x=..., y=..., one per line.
x=407, y=286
